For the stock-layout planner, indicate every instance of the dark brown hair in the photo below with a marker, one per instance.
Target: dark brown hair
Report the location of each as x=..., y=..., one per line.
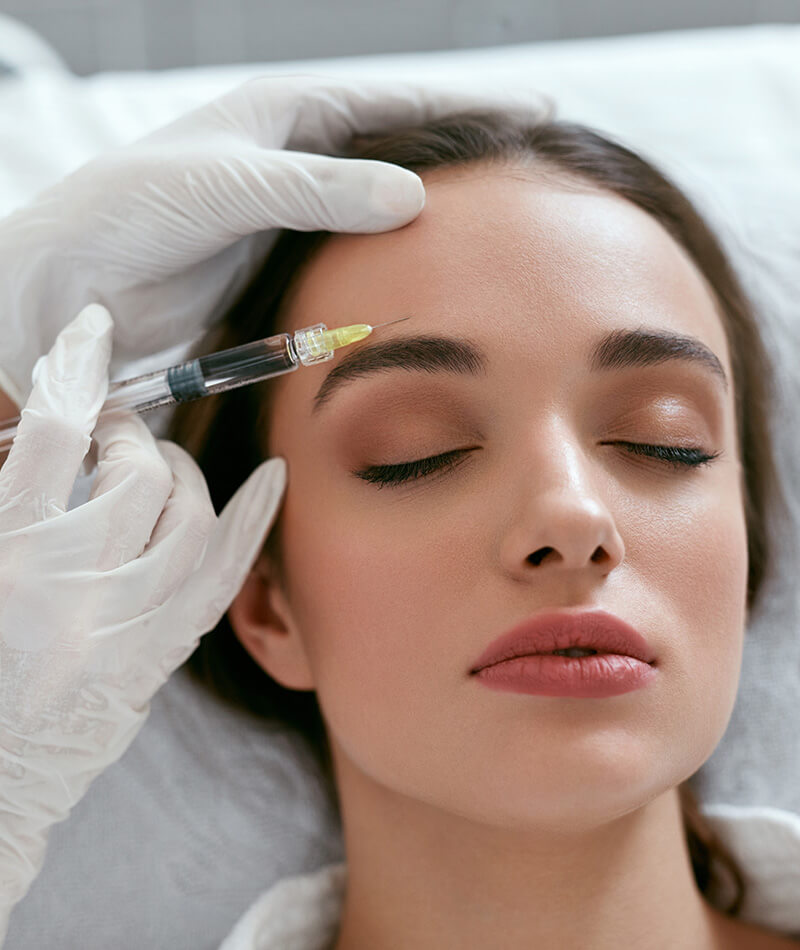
x=225, y=433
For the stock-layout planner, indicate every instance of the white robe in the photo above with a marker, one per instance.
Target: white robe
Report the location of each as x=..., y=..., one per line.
x=303, y=912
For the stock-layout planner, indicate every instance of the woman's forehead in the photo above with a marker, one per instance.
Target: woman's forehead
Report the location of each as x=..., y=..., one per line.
x=501, y=238
x=495, y=254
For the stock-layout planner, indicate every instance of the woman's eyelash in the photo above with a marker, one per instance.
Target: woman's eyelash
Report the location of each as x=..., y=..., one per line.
x=405, y=471
x=679, y=457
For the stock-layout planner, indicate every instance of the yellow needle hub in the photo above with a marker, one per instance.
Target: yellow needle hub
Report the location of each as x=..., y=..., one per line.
x=344, y=336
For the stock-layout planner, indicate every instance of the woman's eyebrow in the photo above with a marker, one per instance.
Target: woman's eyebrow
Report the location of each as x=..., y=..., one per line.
x=436, y=354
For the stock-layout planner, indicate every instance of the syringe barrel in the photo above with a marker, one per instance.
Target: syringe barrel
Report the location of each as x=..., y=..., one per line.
x=206, y=375
x=143, y=392
x=219, y=372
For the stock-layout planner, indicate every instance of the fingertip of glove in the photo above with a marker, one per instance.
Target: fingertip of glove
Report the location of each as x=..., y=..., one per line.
x=267, y=485
x=248, y=517
x=67, y=357
x=273, y=473
x=96, y=319
x=399, y=195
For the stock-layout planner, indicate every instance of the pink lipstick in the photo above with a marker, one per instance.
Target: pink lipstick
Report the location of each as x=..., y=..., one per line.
x=591, y=654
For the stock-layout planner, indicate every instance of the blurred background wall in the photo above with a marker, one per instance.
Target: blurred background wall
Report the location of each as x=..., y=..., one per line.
x=96, y=35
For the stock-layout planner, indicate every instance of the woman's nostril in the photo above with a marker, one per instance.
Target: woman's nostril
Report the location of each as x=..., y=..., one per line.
x=598, y=557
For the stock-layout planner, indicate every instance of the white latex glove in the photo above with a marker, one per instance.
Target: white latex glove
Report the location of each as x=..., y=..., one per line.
x=153, y=230
x=99, y=604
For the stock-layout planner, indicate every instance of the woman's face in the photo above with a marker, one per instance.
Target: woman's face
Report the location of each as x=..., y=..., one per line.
x=394, y=591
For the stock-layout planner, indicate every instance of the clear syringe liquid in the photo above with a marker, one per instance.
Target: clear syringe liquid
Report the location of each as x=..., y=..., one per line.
x=219, y=372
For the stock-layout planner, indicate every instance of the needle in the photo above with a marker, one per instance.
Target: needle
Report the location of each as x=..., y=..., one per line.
x=400, y=320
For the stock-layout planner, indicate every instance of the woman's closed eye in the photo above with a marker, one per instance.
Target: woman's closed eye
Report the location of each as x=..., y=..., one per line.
x=681, y=458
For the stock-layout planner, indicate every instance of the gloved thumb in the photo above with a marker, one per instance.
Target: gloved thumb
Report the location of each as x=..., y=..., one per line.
x=234, y=543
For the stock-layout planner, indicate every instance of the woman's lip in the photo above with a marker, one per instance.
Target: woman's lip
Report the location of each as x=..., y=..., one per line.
x=560, y=630
x=587, y=677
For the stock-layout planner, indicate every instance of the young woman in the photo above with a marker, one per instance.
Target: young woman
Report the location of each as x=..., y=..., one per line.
x=571, y=424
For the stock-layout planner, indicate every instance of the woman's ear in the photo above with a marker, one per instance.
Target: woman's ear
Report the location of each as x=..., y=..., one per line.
x=262, y=620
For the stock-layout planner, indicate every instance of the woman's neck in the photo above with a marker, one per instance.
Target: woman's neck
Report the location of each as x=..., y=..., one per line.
x=424, y=878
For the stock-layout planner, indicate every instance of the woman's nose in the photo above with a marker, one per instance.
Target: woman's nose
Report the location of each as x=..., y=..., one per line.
x=561, y=516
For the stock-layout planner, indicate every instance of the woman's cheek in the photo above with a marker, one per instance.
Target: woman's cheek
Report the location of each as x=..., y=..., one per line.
x=352, y=568
x=697, y=567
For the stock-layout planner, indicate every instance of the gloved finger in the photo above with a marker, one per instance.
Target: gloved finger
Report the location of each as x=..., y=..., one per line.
x=251, y=191
x=122, y=597
x=129, y=464
x=235, y=542
x=316, y=193
x=179, y=539
x=70, y=385
x=133, y=597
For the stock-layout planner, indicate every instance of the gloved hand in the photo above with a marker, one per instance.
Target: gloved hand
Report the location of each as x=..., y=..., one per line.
x=99, y=604
x=153, y=230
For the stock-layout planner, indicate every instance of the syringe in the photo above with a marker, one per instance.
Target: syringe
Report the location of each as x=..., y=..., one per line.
x=218, y=372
